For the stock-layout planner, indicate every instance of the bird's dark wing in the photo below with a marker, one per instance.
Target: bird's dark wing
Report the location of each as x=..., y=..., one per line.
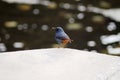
x=61, y=38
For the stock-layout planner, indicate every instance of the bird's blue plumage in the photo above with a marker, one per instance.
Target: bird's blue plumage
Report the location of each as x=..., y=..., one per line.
x=61, y=35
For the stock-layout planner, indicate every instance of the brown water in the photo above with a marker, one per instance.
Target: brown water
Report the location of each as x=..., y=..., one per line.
x=28, y=26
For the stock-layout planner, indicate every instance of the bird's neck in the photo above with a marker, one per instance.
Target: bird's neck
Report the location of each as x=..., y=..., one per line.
x=60, y=32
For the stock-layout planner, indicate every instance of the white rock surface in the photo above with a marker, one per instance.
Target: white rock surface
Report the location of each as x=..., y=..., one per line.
x=58, y=64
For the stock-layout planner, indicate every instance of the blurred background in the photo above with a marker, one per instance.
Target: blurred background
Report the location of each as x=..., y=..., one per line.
x=94, y=25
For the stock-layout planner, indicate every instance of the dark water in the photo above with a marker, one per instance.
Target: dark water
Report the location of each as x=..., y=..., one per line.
x=28, y=26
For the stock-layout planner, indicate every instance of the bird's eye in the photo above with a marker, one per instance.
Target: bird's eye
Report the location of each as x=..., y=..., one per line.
x=57, y=29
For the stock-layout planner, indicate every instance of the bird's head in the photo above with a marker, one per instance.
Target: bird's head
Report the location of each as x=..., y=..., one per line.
x=58, y=29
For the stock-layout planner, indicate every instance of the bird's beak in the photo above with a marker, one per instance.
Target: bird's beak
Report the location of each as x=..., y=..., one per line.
x=53, y=28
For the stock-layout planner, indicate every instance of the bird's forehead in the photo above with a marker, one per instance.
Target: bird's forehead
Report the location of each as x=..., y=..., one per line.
x=59, y=27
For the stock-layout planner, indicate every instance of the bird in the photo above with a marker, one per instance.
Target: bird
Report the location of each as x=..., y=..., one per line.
x=61, y=37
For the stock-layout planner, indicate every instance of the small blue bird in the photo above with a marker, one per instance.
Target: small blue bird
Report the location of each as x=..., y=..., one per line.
x=61, y=37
